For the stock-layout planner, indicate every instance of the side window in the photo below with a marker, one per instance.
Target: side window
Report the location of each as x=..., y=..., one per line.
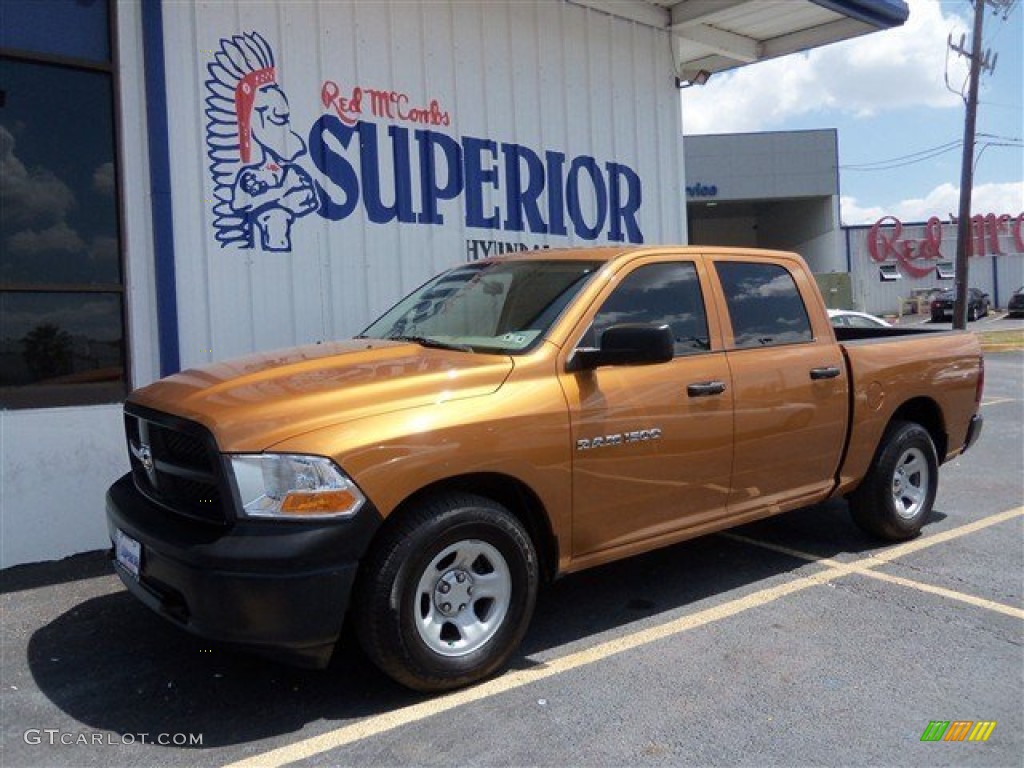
x=764, y=304
x=657, y=294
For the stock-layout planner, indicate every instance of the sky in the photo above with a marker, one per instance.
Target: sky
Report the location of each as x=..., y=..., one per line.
x=900, y=127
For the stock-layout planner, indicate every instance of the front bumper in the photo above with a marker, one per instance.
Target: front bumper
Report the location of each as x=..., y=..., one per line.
x=279, y=588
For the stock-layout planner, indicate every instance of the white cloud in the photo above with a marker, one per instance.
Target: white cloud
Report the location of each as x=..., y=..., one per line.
x=58, y=238
x=942, y=201
x=898, y=68
x=30, y=197
x=104, y=249
x=103, y=178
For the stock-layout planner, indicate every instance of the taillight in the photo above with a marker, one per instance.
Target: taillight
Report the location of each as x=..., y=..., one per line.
x=980, y=386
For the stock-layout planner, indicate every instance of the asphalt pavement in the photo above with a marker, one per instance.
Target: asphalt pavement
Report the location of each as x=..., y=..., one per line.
x=793, y=641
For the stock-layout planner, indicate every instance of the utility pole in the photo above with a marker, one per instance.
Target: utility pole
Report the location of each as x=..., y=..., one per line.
x=963, y=233
x=963, y=230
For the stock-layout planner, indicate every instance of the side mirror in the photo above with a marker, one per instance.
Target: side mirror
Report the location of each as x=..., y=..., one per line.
x=628, y=344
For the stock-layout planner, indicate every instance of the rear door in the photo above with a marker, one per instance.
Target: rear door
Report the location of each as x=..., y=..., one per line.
x=652, y=443
x=789, y=381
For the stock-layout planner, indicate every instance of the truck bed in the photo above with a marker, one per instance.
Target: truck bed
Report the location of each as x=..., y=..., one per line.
x=931, y=374
x=847, y=334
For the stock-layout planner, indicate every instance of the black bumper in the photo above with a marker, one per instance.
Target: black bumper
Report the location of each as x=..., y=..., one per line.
x=973, y=431
x=279, y=588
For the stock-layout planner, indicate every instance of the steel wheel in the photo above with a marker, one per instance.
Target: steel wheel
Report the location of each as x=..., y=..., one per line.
x=910, y=483
x=446, y=592
x=462, y=597
x=895, y=498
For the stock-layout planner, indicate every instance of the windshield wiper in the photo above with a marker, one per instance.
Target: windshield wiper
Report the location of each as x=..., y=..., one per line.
x=426, y=341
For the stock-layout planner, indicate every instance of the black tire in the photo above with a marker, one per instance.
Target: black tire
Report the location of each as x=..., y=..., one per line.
x=398, y=601
x=972, y=313
x=896, y=496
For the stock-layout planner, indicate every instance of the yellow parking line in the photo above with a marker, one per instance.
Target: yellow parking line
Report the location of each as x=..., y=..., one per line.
x=388, y=721
x=949, y=594
x=924, y=542
x=866, y=565
x=999, y=401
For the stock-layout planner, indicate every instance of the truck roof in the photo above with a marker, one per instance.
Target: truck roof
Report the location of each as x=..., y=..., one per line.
x=613, y=252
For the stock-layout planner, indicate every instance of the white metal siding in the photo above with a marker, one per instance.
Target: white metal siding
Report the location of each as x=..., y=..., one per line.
x=545, y=76
x=877, y=297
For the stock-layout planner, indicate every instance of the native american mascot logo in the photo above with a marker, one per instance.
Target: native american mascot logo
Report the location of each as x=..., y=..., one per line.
x=259, y=188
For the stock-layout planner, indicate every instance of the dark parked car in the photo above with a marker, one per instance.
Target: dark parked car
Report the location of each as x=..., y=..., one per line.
x=1016, y=305
x=942, y=305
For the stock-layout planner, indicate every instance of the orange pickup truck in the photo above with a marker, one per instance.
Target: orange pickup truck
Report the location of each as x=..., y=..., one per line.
x=511, y=421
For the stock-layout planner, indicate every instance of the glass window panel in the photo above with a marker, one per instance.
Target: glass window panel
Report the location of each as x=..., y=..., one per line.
x=76, y=28
x=764, y=305
x=58, y=203
x=657, y=294
x=58, y=348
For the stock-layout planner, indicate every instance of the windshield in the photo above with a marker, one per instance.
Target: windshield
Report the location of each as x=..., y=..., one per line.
x=502, y=306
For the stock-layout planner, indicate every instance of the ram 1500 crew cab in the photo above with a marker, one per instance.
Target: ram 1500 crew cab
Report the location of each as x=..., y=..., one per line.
x=513, y=420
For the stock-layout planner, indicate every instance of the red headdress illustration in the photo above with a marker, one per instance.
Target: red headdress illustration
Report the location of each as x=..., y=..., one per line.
x=259, y=187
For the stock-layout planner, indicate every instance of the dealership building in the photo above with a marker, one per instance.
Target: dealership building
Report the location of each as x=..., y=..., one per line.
x=781, y=190
x=895, y=266
x=184, y=182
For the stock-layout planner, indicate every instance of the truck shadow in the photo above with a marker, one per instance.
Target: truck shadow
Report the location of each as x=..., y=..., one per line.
x=111, y=664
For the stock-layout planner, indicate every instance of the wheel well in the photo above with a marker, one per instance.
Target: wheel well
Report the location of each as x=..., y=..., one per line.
x=926, y=412
x=513, y=494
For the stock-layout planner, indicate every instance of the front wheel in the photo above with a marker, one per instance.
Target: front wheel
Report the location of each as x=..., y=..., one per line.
x=447, y=593
x=895, y=498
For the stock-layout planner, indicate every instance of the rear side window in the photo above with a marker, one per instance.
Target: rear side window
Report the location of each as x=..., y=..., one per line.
x=657, y=294
x=764, y=305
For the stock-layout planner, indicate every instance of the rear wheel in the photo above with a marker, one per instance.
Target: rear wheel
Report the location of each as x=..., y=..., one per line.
x=447, y=593
x=895, y=498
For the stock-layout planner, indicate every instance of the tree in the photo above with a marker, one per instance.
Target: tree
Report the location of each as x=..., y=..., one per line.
x=47, y=351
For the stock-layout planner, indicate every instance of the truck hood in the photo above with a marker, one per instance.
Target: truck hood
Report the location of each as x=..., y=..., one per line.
x=253, y=402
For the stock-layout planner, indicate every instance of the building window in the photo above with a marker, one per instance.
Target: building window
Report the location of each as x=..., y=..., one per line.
x=62, y=331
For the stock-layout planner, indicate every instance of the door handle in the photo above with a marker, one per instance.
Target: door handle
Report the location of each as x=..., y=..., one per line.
x=828, y=372
x=705, y=388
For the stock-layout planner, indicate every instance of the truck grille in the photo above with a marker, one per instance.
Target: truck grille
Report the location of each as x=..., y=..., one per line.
x=175, y=463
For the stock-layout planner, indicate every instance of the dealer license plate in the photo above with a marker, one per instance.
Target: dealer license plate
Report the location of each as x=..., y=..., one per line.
x=128, y=552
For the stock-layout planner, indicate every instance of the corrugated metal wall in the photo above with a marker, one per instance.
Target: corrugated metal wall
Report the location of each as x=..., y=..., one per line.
x=998, y=274
x=549, y=77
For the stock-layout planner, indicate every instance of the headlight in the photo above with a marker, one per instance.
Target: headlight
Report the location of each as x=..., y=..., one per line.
x=284, y=486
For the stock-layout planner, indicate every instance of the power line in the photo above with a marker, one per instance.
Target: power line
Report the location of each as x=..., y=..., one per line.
x=889, y=165
x=1016, y=139
x=939, y=149
x=928, y=154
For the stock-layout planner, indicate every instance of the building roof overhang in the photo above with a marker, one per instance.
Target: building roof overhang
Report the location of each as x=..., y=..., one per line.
x=712, y=36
